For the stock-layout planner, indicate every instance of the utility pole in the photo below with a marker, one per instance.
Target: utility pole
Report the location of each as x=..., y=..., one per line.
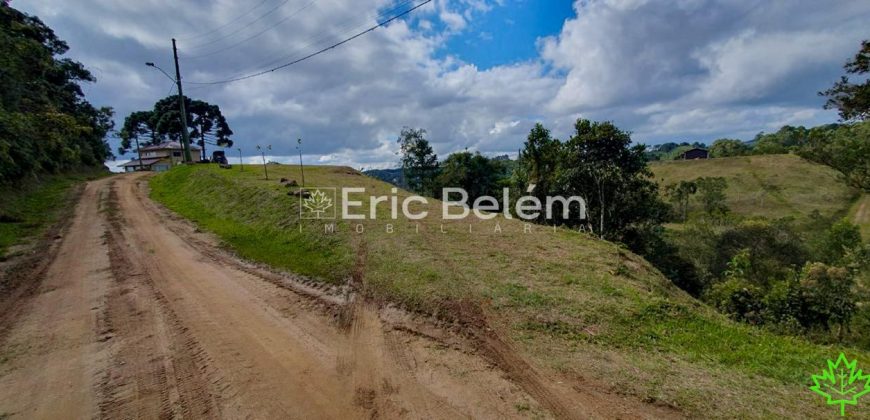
x=301, y=168
x=185, y=136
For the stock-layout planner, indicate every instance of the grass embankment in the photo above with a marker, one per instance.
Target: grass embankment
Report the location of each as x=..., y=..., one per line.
x=772, y=186
x=26, y=209
x=859, y=214
x=570, y=303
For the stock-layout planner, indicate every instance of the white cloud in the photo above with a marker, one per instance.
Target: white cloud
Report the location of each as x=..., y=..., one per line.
x=683, y=68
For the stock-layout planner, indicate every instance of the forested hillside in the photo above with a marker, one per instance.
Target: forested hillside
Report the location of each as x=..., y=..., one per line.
x=46, y=124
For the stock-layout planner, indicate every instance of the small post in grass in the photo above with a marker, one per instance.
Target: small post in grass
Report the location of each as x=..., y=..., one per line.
x=263, y=154
x=241, y=162
x=301, y=167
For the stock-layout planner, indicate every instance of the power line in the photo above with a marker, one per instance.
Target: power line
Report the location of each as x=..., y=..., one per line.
x=243, y=27
x=316, y=53
x=255, y=35
x=238, y=18
x=347, y=27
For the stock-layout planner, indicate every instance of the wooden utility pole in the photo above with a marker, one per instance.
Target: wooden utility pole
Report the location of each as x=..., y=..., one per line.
x=185, y=136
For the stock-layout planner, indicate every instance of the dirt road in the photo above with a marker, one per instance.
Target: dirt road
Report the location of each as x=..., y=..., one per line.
x=140, y=315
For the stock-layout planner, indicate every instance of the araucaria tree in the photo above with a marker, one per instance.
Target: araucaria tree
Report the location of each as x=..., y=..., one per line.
x=205, y=124
x=419, y=161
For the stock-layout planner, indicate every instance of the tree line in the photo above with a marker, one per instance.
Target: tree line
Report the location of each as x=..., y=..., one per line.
x=46, y=124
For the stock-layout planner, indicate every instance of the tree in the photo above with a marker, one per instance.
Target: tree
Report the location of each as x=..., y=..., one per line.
x=840, y=239
x=845, y=148
x=729, y=148
x=774, y=249
x=850, y=99
x=712, y=194
x=829, y=296
x=138, y=125
x=419, y=161
x=46, y=124
x=600, y=163
x=538, y=164
x=679, y=194
x=204, y=121
x=473, y=172
x=209, y=124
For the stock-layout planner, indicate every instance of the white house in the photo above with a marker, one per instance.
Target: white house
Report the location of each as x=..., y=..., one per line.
x=159, y=157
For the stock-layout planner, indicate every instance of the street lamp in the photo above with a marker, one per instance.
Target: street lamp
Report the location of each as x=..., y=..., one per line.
x=150, y=64
x=185, y=136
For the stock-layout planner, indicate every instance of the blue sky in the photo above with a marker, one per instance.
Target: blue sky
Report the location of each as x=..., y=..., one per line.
x=476, y=74
x=509, y=32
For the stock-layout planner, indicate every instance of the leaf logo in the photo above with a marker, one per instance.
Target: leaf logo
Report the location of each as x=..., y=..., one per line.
x=842, y=383
x=318, y=203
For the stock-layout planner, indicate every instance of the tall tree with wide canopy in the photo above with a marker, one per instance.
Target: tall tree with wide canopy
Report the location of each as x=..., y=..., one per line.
x=205, y=122
x=600, y=163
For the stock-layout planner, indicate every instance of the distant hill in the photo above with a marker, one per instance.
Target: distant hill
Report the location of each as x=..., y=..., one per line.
x=391, y=176
x=772, y=186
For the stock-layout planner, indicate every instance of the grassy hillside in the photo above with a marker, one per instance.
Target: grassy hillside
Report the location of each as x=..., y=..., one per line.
x=859, y=214
x=29, y=207
x=772, y=186
x=574, y=305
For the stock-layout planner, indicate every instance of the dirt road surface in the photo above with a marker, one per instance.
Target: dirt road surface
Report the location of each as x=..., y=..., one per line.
x=140, y=315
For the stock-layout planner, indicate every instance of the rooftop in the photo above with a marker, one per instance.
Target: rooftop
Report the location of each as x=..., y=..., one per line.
x=169, y=145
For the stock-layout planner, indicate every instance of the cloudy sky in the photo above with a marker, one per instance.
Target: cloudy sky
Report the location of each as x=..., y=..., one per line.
x=476, y=74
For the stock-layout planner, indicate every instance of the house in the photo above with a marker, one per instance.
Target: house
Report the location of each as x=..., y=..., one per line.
x=696, y=153
x=159, y=157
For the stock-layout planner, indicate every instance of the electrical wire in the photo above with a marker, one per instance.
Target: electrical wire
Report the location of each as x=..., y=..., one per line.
x=316, y=53
x=238, y=18
x=227, y=35
x=349, y=26
x=209, y=54
x=346, y=27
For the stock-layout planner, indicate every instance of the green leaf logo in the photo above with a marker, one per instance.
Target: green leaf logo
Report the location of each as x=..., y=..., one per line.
x=842, y=383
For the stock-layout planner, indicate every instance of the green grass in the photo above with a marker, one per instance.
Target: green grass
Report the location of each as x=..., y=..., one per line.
x=574, y=305
x=859, y=214
x=29, y=208
x=772, y=186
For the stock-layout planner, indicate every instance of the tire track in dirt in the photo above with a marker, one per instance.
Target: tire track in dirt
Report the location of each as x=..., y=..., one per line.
x=154, y=369
x=21, y=277
x=368, y=359
x=51, y=355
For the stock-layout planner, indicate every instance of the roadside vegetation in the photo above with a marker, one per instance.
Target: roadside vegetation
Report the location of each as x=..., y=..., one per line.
x=574, y=304
x=46, y=124
x=29, y=208
x=51, y=137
